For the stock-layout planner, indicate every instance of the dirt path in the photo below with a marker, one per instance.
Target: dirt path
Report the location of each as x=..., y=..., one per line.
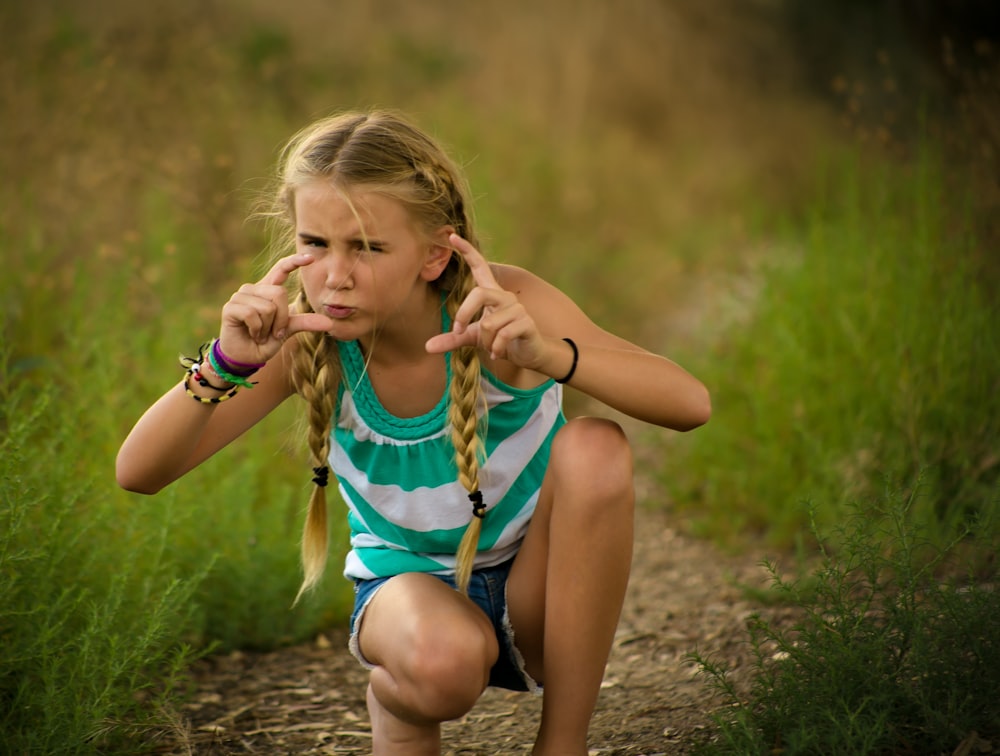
x=683, y=595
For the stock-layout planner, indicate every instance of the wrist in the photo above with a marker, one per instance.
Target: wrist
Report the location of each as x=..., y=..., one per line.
x=209, y=378
x=228, y=369
x=222, y=359
x=563, y=367
x=200, y=387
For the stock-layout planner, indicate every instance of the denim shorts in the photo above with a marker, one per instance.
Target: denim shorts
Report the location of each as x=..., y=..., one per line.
x=488, y=590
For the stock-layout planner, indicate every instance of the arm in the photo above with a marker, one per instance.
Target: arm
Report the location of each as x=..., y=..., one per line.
x=524, y=321
x=640, y=384
x=176, y=434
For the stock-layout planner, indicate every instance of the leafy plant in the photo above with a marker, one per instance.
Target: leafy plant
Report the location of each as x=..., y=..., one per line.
x=894, y=649
x=87, y=647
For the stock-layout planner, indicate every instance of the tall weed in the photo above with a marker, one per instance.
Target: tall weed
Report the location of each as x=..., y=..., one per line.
x=870, y=351
x=884, y=658
x=91, y=636
x=103, y=593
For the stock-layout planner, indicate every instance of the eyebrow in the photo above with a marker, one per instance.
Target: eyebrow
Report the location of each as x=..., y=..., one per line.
x=373, y=241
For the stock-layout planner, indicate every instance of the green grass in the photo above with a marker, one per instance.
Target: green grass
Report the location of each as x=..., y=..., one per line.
x=105, y=595
x=134, y=145
x=869, y=351
x=91, y=636
x=884, y=656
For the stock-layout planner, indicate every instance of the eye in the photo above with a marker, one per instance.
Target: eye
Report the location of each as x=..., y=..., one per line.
x=359, y=246
x=312, y=242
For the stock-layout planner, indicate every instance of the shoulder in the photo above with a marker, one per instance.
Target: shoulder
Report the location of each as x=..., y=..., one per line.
x=516, y=279
x=553, y=310
x=546, y=302
x=531, y=289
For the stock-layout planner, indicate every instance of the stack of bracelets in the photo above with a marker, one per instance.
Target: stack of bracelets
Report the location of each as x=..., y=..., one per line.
x=226, y=368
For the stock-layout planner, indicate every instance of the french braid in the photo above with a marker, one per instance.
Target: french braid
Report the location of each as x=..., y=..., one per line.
x=316, y=374
x=465, y=392
x=465, y=397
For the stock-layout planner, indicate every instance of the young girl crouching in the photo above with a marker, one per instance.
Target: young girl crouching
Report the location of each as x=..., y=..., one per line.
x=491, y=538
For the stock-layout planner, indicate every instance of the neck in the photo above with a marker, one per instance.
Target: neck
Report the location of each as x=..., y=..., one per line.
x=402, y=336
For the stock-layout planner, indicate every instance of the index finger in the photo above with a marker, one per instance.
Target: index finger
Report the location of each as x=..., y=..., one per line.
x=282, y=269
x=481, y=271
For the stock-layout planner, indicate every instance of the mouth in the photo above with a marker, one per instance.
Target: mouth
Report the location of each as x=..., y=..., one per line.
x=338, y=312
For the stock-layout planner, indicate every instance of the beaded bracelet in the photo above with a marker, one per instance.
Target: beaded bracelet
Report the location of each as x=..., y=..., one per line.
x=196, y=371
x=193, y=372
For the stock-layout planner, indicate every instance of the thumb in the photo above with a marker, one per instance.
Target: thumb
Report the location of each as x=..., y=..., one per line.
x=307, y=321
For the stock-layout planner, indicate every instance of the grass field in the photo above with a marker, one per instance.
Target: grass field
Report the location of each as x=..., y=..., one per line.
x=838, y=296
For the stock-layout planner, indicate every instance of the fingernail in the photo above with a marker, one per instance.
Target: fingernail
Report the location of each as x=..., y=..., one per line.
x=280, y=335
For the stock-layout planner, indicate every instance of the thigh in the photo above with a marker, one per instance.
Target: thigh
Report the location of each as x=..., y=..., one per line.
x=589, y=471
x=413, y=611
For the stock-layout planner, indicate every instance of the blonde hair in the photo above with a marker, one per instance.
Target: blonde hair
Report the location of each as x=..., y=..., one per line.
x=380, y=151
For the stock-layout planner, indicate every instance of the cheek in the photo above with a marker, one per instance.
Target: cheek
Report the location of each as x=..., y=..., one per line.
x=312, y=284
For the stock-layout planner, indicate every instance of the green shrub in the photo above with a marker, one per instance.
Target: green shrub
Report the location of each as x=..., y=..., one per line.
x=887, y=656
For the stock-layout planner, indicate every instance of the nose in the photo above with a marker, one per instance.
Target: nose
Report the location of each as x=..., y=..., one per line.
x=340, y=270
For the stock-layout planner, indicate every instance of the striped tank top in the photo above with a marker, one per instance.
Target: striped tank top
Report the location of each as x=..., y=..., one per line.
x=407, y=511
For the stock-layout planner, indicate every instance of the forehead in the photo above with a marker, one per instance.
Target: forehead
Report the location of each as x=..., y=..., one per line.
x=322, y=206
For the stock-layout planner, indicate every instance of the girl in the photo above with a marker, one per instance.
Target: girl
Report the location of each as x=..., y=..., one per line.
x=490, y=537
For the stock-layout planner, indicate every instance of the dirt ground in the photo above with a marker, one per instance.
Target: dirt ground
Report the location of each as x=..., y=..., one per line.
x=683, y=595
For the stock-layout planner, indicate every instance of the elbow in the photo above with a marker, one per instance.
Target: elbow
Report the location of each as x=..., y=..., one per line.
x=136, y=486
x=132, y=481
x=699, y=411
x=139, y=489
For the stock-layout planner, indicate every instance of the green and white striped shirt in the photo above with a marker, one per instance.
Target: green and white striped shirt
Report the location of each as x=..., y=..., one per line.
x=406, y=509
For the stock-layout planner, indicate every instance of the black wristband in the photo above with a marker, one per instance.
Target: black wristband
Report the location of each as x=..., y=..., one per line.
x=572, y=368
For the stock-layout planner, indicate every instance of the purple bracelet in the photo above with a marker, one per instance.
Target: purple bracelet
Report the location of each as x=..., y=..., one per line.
x=242, y=369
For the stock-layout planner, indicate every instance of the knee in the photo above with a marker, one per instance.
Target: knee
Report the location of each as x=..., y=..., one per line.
x=594, y=455
x=448, y=668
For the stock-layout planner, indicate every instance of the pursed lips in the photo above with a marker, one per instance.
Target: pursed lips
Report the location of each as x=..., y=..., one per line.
x=337, y=311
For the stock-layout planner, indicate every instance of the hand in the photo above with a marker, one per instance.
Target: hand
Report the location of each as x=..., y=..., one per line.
x=256, y=321
x=505, y=330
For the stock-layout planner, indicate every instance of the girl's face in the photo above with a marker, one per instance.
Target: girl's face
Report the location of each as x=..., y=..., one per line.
x=372, y=265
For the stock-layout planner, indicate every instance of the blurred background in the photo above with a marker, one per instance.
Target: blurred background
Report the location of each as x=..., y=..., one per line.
x=798, y=200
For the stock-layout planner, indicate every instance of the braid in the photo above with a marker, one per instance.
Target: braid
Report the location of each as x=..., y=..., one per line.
x=465, y=394
x=316, y=373
x=438, y=177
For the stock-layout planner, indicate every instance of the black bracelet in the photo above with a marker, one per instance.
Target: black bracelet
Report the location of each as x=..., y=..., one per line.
x=572, y=369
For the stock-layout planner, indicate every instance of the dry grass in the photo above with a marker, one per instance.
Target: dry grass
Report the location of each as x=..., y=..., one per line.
x=589, y=133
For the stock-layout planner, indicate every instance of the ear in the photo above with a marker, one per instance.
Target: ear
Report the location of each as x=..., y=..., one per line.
x=439, y=253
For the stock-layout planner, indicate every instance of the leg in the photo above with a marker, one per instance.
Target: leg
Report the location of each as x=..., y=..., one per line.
x=433, y=649
x=568, y=582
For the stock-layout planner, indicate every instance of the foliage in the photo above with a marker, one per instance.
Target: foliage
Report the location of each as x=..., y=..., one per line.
x=91, y=639
x=106, y=596
x=886, y=656
x=131, y=134
x=869, y=350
